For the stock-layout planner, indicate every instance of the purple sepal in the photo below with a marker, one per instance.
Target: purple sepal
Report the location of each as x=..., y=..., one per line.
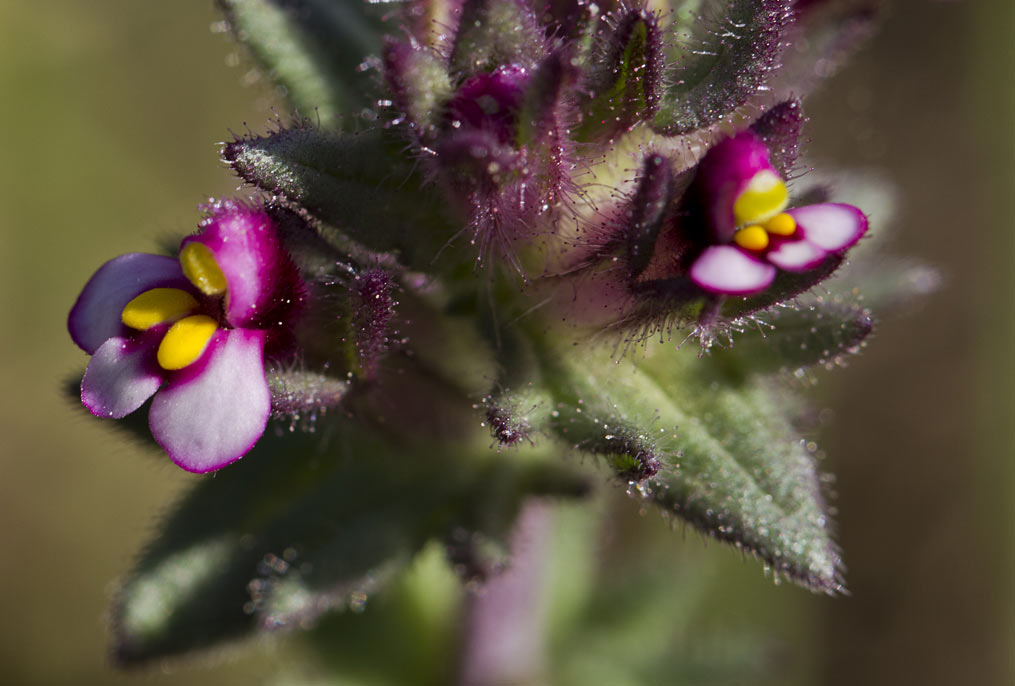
x=779, y=129
x=399, y=61
x=122, y=375
x=568, y=19
x=95, y=316
x=728, y=270
x=723, y=174
x=544, y=104
x=214, y=411
x=247, y=249
x=647, y=213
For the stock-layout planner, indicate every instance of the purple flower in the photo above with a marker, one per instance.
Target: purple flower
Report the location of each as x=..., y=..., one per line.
x=750, y=233
x=201, y=325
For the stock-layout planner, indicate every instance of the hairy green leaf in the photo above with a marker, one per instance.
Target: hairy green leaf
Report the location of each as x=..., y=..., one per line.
x=730, y=463
x=716, y=73
x=789, y=338
x=496, y=32
x=355, y=182
x=311, y=48
x=307, y=523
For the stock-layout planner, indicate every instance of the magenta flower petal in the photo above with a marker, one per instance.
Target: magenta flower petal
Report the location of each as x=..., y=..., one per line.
x=490, y=102
x=121, y=376
x=723, y=174
x=831, y=226
x=246, y=248
x=95, y=316
x=796, y=256
x=730, y=271
x=213, y=412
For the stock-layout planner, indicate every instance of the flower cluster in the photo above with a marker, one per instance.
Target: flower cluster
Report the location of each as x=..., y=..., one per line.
x=525, y=127
x=472, y=196
x=192, y=331
x=751, y=234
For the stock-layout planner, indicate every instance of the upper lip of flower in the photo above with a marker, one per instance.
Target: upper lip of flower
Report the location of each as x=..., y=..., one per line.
x=751, y=232
x=200, y=324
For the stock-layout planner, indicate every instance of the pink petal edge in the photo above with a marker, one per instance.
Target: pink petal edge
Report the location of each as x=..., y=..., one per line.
x=796, y=256
x=95, y=316
x=121, y=376
x=831, y=226
x=728, y=270
x=213, y=412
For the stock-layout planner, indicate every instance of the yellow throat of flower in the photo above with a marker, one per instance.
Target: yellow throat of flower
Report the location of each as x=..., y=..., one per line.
x=186, y=339
x=765, y=197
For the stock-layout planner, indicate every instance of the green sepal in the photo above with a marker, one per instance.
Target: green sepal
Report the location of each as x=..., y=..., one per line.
x=312, y=49
x=306, y=523
x=729, y=461
x=302, y=396
x=358, y=183
x=626, y=77
x=420, y=83
x=718, y=72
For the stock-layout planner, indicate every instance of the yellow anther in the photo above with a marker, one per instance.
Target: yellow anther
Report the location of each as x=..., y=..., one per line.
x=200, y=267
x=751, y=237
x=781, y=224
x=157, y=306
x=764, y=197
x=185, y=341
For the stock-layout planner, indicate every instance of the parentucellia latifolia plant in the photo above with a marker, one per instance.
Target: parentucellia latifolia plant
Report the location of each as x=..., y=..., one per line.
x=505, y=254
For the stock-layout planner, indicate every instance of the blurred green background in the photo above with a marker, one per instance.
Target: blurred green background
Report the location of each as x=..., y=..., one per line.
x=110, y=115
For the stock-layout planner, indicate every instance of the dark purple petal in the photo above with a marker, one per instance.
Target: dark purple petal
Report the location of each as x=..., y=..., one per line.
x=723, y=173
x=490, y=102
x=796, y=256
x=213, y=412
x=122, y=375
x=246, y=247
x=831, y=226
x=95, y=316
x=731, y=271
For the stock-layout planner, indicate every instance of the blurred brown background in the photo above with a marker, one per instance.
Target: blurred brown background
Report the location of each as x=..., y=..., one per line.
x=109, y=117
